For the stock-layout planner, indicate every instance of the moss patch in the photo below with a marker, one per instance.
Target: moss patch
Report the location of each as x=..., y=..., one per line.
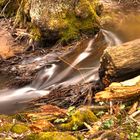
x=78, y=23
x=51, y=136
x=65, y=21
x=35, y=33
x=6, y=127
x=18, y=128
x=78, y=119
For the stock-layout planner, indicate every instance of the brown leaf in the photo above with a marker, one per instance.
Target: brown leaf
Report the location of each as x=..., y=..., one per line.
x=42, y=125
x=53, y=110
x=48, y=112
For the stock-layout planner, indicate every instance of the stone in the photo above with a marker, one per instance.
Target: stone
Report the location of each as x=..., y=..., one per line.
x=66, y=19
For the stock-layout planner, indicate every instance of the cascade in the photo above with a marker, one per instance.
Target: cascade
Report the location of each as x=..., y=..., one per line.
x=79, y=66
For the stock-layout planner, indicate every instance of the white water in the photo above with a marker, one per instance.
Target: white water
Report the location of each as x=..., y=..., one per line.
x=79, y=66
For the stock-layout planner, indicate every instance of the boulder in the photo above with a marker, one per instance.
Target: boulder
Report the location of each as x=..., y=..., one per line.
x=54, y=19
x=64, y=19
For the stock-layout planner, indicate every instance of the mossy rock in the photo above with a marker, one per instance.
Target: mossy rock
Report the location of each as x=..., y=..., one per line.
x=65, y=20
x=17, y=128
x=54, y=20
x=50, y=136
x=81, y=116
x=6, y=127
x=35, y=32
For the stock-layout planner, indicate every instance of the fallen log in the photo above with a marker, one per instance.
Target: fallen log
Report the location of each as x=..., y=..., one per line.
x=120, y=62
x=123, y=91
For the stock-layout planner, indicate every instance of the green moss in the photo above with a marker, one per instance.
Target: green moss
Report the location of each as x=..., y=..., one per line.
x=79, y=23
x=31, y=137
x=6, y=127
x=18, y=117
x=35, y=33
x=78, y=119
x=19, y=128
x=71, y=32
x=51, y=136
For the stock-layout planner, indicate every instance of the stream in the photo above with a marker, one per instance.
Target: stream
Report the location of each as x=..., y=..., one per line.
x=78, y=66
x=81, y=65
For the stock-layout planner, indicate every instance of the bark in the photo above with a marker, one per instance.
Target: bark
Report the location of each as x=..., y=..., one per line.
x=121, y=62
x=123, y=91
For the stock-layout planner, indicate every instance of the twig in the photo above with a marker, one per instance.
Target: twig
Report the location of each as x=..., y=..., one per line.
x=135, y=114
x=88, y=126
x=109, y=134
x=111, y=105
x=74, y=67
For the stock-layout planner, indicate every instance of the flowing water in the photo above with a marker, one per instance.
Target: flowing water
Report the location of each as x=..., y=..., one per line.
x=122, y=18
x=78, y=66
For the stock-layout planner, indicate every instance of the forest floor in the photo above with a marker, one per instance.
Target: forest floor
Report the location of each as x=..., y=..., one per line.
x=73, y=114
x=79, y=121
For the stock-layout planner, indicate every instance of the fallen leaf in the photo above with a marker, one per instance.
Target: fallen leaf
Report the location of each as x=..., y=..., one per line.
x=48, y=112
x=52, y=110
x=42, y=125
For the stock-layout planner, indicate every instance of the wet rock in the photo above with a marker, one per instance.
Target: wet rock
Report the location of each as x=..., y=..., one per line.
x=50, y=20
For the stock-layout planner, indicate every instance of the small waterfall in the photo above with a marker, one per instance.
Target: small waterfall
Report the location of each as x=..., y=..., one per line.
x=79, y=66
x=111, y=38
